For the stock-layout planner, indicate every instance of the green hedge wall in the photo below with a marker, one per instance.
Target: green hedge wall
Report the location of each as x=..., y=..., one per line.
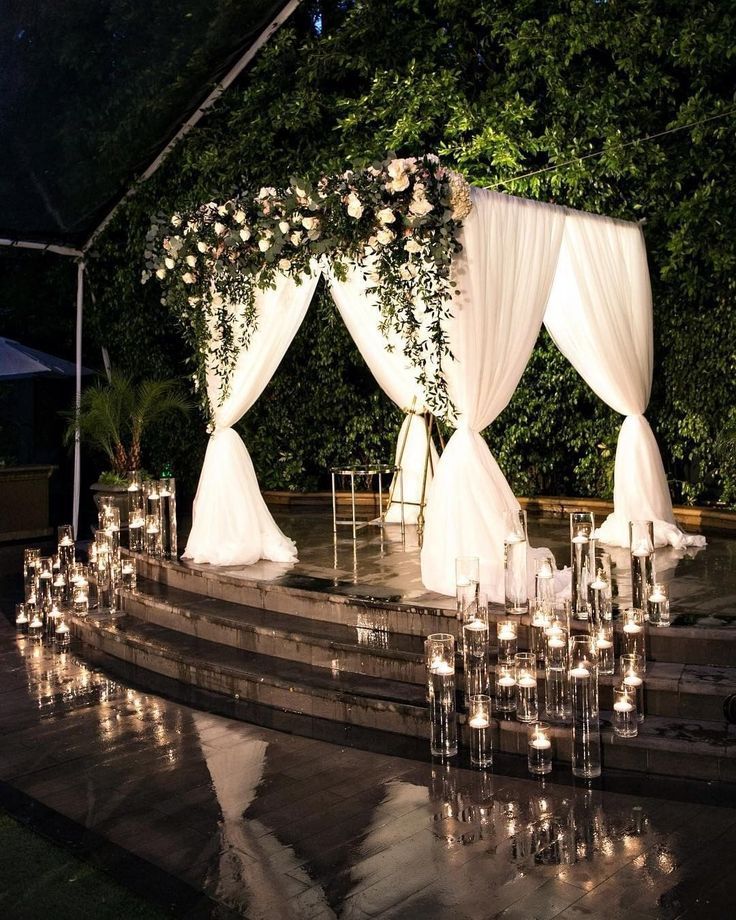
x=498, y=89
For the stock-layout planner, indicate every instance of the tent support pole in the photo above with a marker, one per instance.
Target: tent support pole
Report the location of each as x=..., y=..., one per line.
x=78, y=397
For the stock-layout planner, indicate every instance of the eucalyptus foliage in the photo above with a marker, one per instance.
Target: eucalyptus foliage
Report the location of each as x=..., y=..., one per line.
x=396, y=220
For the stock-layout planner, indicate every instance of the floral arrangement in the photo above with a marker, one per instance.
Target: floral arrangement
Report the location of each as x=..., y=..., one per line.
x=397, y=219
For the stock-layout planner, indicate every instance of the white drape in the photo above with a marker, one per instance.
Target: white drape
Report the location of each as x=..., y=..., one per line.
x=504, y=274
x=231, y=524
x=397, y=378
x=600, y=317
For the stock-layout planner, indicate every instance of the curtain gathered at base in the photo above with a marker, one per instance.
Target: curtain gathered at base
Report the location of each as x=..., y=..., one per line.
x=600, y=317
x=231, y=524
x=504, y=274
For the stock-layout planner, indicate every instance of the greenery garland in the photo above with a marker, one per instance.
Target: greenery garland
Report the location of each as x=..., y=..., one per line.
x=397, y=219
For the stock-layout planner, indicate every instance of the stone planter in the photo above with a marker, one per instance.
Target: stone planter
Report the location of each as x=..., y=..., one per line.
x=24, y=502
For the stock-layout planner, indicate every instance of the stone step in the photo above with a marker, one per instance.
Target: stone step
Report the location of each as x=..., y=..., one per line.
x=690, y=640
x=265, y=690
x=673, y=690
x=367, y=649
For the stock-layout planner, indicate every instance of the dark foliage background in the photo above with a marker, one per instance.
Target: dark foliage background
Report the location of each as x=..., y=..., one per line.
x=497, y=88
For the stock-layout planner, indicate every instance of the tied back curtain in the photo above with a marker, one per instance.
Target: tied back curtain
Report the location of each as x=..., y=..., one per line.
x=600, y=317
x=231, y=524
x=396, y=377
x=504, y=275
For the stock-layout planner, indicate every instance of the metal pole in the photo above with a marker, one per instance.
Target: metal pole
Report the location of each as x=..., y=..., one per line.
x=78, y=397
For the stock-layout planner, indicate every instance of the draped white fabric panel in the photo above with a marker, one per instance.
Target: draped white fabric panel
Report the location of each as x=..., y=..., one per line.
x=397, y=378
x=231, y=524
x=504, y=274
x=600, y=317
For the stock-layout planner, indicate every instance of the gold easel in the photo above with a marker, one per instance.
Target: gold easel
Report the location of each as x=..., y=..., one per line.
x=428, y=466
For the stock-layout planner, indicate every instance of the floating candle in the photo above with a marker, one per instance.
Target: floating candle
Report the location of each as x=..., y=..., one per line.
x=622, y=706
x=541, y=744
x=479, y=722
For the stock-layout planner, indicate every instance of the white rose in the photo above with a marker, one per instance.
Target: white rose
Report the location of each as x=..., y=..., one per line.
x=420, y=206
x=284, y=226
x=193, y=301
x=267, y=192
x=310, y=223
x=296, y=237
x=217, y=300
x=355, y=207
x=191, y=261
x=411, y=245
x=398, y=185
x=386, y=216
x=245, y=234
x=169, y=262
x=176, y=220
x=219, y=228
x=239, y=217
x=222, y=210
x=264, y=244
x=161, y=273
x=202, y=247
x=188, y=278
x=385, y=236
x=284, y=265
x=300, y=192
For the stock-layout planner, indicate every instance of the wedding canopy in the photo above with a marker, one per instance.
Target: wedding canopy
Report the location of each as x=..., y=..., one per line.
x=522, y=263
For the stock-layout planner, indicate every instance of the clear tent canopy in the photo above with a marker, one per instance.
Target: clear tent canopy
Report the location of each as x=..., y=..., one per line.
x=93, y=95
x=91, y=91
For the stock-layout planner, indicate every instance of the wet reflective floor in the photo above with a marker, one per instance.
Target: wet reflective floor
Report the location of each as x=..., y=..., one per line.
x=272, y=825
x=702, y=581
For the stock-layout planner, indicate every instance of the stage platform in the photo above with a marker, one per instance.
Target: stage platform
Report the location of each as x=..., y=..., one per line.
x=332, y=646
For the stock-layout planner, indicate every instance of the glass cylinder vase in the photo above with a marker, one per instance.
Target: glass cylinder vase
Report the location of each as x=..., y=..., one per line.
x=527, y=700
x=604, y=646
x=136, y=512
x=625, y=720
x=467, y=581
x=582, y=559
x=544, y=584
x=476, y=651
x=506, y=688
x=479, y=729
x=641, y=544
x=556, y=683
x=515, y=563
x=31, y=566
x=167, y=498
x=507, y=633
x=633, y=634
x=586, y=735
x=539, y=749
x=440, y=650
x=658, y=605
x=632, y=680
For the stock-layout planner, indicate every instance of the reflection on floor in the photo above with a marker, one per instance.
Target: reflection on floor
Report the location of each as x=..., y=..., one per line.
x=702, y=580
x=278, y=826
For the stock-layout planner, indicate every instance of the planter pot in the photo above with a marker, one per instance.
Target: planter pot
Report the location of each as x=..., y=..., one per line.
x=115, y=495
x=24, y=502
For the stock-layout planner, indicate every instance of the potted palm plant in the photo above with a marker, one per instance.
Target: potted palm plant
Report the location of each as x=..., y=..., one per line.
x=114, y=414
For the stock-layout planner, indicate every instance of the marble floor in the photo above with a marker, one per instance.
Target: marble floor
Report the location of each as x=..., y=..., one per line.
x=270, y=825
x=702, y=580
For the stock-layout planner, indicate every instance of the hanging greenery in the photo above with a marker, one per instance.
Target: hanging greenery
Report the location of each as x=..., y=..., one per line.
x=397, y=219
